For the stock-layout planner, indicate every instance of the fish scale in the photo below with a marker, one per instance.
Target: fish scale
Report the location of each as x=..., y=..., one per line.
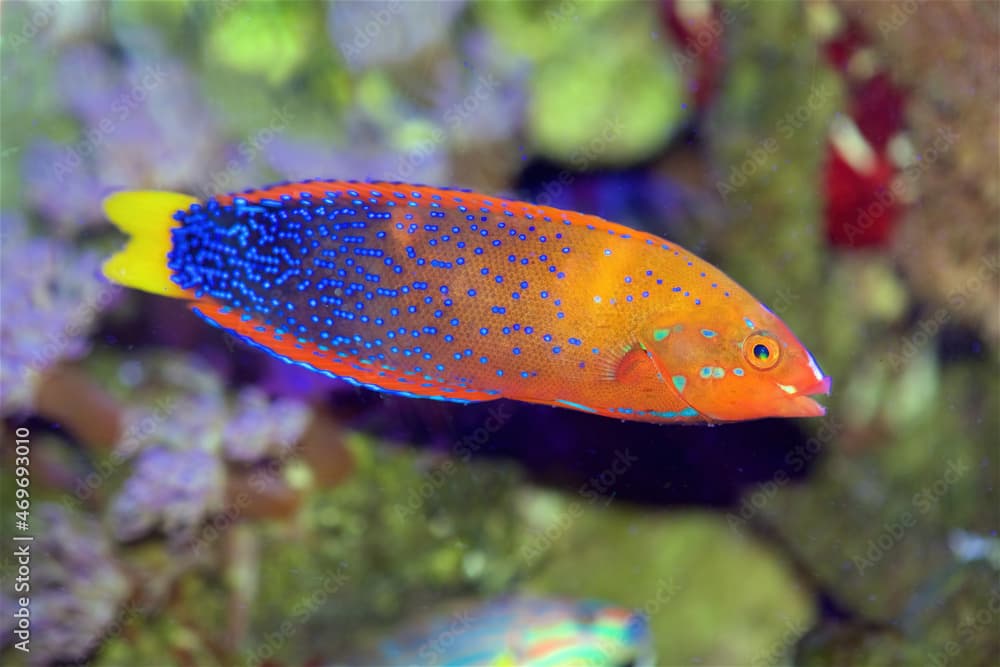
x=450, y=294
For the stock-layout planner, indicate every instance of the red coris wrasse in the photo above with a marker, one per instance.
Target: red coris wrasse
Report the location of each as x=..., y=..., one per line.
x=458, y=296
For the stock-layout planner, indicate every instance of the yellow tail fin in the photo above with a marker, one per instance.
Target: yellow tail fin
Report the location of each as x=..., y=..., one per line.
x=147, y=216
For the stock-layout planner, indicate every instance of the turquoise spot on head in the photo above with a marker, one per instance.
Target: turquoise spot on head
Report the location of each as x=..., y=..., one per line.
x=679, y=382
x=718, y=372
x=660, y=334
x=707, y=333
x=738, y=372
x=748, y=322
x=705, y=372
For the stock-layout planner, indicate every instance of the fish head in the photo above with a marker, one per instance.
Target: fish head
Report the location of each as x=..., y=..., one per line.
x=733, y=360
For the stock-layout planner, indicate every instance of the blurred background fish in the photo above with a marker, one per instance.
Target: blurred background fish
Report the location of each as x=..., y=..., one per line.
x=519, y=631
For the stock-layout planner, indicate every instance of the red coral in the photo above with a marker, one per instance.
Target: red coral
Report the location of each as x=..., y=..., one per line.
x=861, y=207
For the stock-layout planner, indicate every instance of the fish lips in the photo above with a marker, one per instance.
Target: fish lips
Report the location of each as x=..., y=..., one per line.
x=801, y=403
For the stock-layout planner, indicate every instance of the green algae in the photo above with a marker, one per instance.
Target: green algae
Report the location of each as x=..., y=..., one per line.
x=271, y=41
x=712, y=594
x=403, y=531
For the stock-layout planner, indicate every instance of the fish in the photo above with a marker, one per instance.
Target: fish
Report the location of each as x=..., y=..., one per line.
x=458, y=296
x=518, y=630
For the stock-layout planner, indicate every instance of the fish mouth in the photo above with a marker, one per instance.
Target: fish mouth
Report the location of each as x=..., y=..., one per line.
x=801, y=404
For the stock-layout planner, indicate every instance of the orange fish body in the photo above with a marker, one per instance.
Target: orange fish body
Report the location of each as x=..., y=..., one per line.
x=459, y=296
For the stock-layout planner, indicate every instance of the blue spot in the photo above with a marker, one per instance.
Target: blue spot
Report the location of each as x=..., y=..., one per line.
x=707, y=333
x=679, y=382
x=738, y=372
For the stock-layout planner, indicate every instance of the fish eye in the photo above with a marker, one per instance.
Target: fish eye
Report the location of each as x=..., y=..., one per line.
x=761, y=351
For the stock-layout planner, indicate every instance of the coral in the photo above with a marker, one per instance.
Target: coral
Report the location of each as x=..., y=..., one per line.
x=953, y=93
x=370, y=34
x=168, y=489
x=263, y=39
x=77, y=585
x=60, y=185
x=51, y=298
x=259, y=428
x=671, y=567
x=403, y=530
x=238, y=510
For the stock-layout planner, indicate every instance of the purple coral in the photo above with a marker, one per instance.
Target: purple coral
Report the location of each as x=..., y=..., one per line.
x=378, y=33
x=141, y=124
x=160, y=130
x=481, y=97
x=179, y=476
x=260, y=428
x=78, y=587
x=60, y=184
x=169, y=489
x=51, y=297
